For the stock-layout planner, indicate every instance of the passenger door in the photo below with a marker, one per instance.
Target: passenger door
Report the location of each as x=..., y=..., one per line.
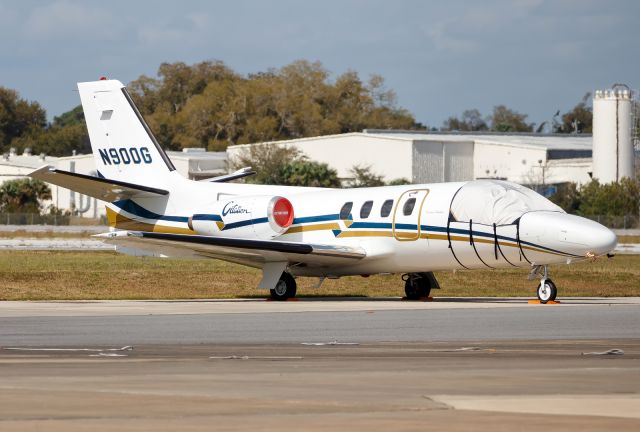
x=407, y=215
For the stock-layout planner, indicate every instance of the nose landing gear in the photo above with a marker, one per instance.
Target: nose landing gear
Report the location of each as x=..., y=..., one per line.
x=419, y=285
x=547, y=290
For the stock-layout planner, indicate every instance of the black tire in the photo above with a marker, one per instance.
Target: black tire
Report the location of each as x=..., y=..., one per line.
x=554, y=290
x=547, y=292
x=285, y=288
x=417, y=286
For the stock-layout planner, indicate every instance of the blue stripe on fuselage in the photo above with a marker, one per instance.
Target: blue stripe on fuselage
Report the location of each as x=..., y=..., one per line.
x=320, y=218
x=207, y=217
x=137, y=210
x=245, y=223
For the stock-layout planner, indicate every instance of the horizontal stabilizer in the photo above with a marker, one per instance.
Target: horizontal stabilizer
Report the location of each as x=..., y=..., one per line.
x=241, y=173
x=102, y=189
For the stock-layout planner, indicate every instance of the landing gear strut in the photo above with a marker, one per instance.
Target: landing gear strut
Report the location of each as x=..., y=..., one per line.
x=547, y=290
x=419, y=285
x=285, y=288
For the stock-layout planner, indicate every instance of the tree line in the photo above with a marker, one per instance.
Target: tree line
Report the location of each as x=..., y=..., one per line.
x=610, y=201
x=503, y=119
x=209, y=105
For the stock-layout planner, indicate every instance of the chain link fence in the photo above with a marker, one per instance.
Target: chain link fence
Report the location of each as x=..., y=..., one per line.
x=33, y=219
x=617, y=222
x=48, y=219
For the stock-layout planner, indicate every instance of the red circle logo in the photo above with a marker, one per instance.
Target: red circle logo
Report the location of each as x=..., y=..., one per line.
x=283, y=212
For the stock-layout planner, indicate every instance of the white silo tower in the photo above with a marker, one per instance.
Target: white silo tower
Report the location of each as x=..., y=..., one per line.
x=613, y=156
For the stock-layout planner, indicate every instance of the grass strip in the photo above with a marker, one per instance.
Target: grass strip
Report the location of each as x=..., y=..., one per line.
x=55, y=275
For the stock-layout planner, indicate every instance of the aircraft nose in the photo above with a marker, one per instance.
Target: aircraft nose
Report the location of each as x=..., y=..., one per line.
x=602, y=239
x=571, y=233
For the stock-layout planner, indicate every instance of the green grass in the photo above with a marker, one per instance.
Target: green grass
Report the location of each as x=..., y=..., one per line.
x=107, y=275
x=628, y=239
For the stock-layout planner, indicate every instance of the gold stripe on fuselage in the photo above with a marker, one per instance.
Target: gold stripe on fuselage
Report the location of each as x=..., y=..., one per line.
x=315, y=227
x=122, y=222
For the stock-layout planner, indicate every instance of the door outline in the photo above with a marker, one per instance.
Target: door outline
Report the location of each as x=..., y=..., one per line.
x=398, y=234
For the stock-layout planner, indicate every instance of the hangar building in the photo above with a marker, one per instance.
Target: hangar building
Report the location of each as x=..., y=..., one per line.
x=431, y=157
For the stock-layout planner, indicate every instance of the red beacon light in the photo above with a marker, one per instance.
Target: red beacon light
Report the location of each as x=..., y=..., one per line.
x=283, y=212
x=103, y=78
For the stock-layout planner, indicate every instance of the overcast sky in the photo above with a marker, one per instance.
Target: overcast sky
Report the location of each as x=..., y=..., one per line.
x=440, y=57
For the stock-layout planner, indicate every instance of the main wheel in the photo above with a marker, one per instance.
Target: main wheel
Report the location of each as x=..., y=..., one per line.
x=417, y=286
x=547, y=291
x=285, y=288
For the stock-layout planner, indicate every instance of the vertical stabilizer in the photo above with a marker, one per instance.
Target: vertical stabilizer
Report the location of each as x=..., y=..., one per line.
x=123, y=146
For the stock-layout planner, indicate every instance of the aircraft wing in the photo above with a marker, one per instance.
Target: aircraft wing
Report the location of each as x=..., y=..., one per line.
x=100, y=188
x=243, y=251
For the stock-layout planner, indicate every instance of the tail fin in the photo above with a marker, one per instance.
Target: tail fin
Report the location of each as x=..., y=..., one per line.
x=123, y=146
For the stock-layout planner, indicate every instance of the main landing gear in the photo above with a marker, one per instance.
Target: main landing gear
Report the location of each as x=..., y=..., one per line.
x=285, y=288
x=419, y=285
x=547, y=290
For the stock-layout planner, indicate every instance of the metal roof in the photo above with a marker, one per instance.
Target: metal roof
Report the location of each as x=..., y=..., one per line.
x=544, y=141
x=554, y=142
x=200, y=155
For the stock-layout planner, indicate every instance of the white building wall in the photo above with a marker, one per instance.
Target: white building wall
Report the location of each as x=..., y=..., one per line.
x=12, y=172
x=568, y=170
x=389, y=157
x=518, y=164
x=63, y=198
x=442, y=158
x=182, y=165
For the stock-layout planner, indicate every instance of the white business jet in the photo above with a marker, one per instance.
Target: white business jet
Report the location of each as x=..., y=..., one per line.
x=290, y=232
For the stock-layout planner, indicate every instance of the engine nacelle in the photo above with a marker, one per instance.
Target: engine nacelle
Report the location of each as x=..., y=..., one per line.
x=262, y=217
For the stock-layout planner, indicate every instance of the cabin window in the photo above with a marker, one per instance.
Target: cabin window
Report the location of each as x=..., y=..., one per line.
x=385, y=210
x=346, y=210
x=408, y=206
x=365, y=210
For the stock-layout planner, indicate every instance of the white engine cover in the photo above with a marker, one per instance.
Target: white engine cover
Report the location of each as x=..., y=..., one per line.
x=258, y=217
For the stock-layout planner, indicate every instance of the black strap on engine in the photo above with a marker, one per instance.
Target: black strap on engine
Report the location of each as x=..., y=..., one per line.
x=519, y=242
x=495, y=242
x=472, y=243
x=449, y=239
x=497, y=245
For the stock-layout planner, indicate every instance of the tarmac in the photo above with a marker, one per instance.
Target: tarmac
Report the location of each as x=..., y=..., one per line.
x=313, y=364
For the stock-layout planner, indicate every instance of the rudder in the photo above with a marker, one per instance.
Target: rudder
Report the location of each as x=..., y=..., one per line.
x=123, y=146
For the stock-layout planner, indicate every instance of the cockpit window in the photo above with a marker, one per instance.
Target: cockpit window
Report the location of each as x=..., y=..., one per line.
x=365, y=210
x=346, y=210
x=408, y=206
x=385, y=210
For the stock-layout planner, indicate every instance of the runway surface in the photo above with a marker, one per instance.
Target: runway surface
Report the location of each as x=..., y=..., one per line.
x=259, y=321
x=313, y=364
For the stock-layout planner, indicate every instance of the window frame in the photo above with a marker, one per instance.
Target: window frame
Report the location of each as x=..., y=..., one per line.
x=382, y=208
x=368, y=209
x=411, y=200
x=349, y=205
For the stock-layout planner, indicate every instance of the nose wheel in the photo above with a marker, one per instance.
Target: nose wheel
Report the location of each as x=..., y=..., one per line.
x=547, y=290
